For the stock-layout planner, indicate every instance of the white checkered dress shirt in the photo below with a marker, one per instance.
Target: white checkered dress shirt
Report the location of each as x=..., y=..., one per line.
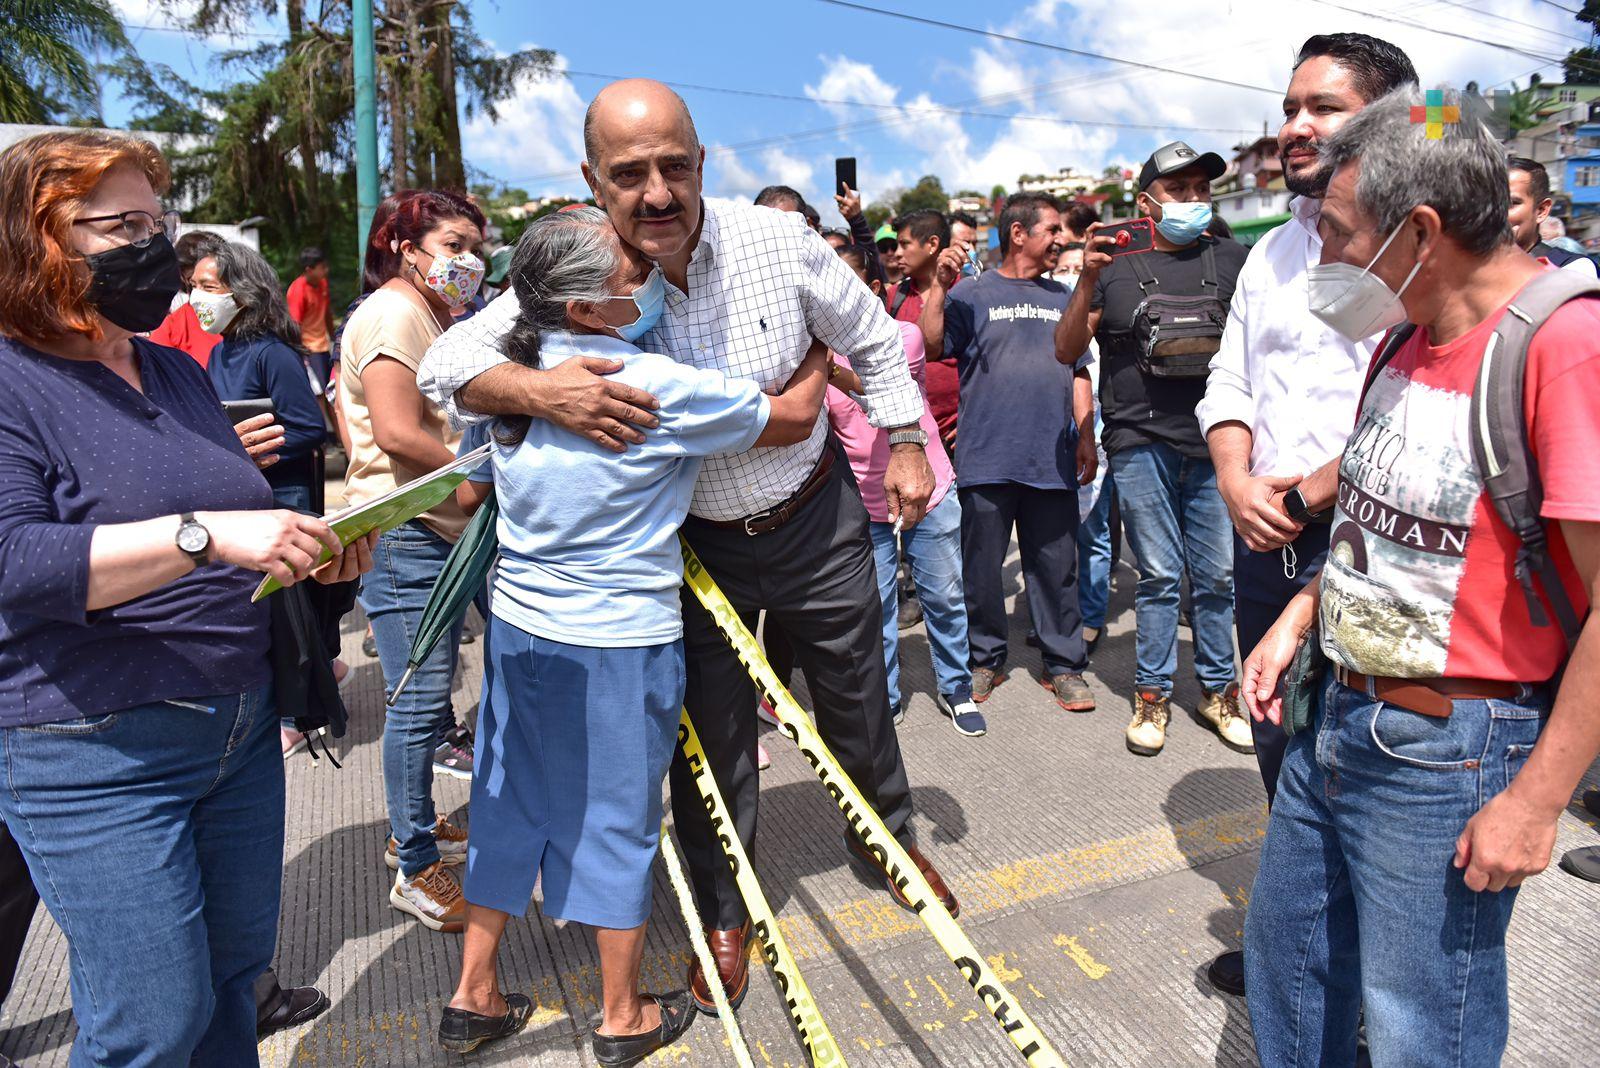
x=761, y=286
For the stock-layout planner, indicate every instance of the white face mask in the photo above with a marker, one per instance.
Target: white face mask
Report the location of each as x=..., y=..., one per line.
x=214, y=310
x=1354, y=301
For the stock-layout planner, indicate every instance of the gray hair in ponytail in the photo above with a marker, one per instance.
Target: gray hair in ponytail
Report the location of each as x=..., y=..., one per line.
x=566, y=256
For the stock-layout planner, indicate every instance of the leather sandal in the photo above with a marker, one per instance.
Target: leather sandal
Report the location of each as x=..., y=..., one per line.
x=461, y=1031
x=296, y=1005
x=676, y=1016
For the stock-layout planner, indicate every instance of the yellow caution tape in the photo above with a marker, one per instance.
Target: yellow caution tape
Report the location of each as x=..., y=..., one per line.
x=796, y=995
x=702, y=951
x=996, y=999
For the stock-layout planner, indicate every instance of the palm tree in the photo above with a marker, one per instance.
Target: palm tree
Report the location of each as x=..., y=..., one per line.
x=44, y=74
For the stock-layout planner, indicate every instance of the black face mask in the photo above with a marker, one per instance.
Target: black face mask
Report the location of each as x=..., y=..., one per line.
x=133, y=287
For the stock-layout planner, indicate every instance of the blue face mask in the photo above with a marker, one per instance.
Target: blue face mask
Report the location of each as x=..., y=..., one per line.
x=649, y=299
x=1183, y=223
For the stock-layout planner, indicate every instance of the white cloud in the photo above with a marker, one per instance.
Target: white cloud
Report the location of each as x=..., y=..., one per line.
x=788, y=170
x=538, y=141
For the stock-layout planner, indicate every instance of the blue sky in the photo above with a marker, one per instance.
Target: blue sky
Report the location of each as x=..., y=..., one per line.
x=867, y=80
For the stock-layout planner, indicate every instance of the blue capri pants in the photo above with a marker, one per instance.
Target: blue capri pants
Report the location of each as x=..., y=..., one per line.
x=573, y=744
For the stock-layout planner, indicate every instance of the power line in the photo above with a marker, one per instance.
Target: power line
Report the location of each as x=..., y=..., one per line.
x=1514, y=22
x=1426, y=29
x=993, y=35
x=1563, y=7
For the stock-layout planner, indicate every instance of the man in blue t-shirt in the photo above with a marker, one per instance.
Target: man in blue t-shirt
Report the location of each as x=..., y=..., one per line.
x=1026, y=444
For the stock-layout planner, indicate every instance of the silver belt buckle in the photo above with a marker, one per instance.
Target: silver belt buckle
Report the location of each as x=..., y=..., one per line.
x=747, y=520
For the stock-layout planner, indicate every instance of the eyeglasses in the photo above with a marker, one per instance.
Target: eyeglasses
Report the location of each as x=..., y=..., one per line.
x=140, y=227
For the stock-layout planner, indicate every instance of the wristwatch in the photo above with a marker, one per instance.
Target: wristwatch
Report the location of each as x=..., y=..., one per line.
x=1295, y=507
x=194, y=540
x=919, y=438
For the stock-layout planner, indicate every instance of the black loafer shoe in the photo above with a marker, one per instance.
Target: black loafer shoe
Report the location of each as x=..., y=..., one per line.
x=461, y=1031
x=1227, y=973
x=1583, y=863
x=298, y=1004
x=676, y=1016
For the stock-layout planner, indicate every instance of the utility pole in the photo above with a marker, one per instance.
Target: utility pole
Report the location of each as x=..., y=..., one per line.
x=361, y=45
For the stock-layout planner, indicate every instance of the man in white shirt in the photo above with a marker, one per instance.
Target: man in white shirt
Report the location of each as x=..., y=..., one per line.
x=1530, y=211
x=1281, y=396
x=779, y=529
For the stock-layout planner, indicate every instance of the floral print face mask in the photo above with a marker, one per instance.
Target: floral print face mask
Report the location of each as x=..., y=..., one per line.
x=455, y=278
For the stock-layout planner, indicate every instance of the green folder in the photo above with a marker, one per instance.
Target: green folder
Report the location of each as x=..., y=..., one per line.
x=393, y=508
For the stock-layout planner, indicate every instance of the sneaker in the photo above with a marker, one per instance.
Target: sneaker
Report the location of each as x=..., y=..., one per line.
x=765, y=713
x=909, y=613
x=293, y=741
x=1070, y=691
x=963, y=713
x=984, y=680
x=451, y=840
x=1147, y=733
x=341, y=672
x=1220, y=711
x=763, y=759
x=454, y=755
x=899, y=713
x=433, y=896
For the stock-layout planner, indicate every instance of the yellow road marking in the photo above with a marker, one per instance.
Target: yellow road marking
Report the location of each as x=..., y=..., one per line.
x=1081, y=957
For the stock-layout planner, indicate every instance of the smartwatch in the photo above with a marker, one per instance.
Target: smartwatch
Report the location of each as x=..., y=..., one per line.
x=1295, y=507
x=919, y=438
x=194, y=540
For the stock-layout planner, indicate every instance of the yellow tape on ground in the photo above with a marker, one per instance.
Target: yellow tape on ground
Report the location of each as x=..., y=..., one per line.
x=997, y=1000
x=796, y=995
x=702, y=951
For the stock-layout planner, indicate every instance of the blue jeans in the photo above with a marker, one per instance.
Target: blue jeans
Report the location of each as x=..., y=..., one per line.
x=1357, y=901
x=404, y=567
x=933, y=548
x=155, y=837
x=1176, y=521
x=1094, y=559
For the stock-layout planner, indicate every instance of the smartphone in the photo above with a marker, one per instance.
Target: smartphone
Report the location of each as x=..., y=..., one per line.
x=239, y=411
x=844, y=174
x=1127, y=236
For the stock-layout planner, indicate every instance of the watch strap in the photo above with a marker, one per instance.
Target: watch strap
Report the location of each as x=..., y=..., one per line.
x=918, y=438
x=202, y=557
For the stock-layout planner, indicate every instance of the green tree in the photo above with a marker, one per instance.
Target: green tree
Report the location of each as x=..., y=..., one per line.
x=998, y=193
x=927, y=193
x=1582, y=65
x=45, y=74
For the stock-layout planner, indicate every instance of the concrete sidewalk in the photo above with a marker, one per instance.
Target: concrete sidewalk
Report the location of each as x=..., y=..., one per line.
x=1098, y=885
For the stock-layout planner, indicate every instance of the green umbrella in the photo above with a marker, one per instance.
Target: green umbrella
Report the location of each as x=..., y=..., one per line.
x=459, y=581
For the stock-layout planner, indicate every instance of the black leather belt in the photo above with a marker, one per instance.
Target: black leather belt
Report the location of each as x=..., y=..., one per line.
x=775, y=517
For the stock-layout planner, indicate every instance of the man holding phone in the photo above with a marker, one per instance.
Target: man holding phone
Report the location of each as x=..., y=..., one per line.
x=1165, y=264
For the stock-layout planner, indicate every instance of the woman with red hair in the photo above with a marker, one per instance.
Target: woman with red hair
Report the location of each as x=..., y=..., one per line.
x=422, y=264
x=136, y=701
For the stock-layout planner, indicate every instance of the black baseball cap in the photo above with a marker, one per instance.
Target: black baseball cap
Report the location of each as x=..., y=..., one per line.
x=1169, y=159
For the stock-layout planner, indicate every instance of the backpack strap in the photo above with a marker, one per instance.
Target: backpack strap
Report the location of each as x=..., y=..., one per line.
x=1391, y=344
x=902, y=291
x=1208, y=267
x=1500, y=443
x=1148, y=283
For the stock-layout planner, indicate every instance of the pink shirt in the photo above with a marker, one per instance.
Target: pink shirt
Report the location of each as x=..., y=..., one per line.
x=868, y=447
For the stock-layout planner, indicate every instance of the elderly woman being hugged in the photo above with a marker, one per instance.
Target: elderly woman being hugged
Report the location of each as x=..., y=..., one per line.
x=136, y=701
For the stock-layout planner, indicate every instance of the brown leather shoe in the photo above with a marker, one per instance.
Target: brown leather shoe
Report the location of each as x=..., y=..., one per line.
x=733, y=964
x=862, y=857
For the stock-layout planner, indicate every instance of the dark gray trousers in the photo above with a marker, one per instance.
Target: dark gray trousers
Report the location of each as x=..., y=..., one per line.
x=816, y=579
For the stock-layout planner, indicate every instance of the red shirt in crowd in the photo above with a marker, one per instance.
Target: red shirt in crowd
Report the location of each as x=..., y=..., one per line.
x=181, y=330
x=1419, y=581
x=942, y=382
x=308, y=306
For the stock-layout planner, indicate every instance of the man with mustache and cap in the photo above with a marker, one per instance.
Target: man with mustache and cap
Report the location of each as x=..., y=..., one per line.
x=1281, y=397
x=780, y=529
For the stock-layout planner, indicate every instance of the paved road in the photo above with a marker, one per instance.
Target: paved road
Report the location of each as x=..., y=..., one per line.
x=1098, y=884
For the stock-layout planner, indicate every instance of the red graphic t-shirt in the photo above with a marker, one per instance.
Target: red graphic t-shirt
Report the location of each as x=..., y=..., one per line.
x=1419, y=581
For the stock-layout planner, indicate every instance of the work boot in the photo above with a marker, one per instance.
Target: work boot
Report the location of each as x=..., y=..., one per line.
x=984, y=680
x=1220, y=711
x=433, y=896
x=1147, y=733
x=1070, y=691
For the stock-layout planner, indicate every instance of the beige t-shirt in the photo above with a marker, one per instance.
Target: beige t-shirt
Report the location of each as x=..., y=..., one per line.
x=390, y=323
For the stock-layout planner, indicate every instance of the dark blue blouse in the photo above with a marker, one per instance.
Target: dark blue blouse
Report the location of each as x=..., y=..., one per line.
x=79, y=447
x=263, y=367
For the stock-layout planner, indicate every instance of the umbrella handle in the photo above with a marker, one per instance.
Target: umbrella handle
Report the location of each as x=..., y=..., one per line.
x=411, y=669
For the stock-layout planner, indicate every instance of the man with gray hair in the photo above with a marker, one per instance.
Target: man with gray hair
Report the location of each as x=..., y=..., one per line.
x=1427, y=785
x=743, y=290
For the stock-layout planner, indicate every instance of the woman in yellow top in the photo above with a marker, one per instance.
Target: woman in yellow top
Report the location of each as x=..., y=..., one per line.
x=425, y=252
